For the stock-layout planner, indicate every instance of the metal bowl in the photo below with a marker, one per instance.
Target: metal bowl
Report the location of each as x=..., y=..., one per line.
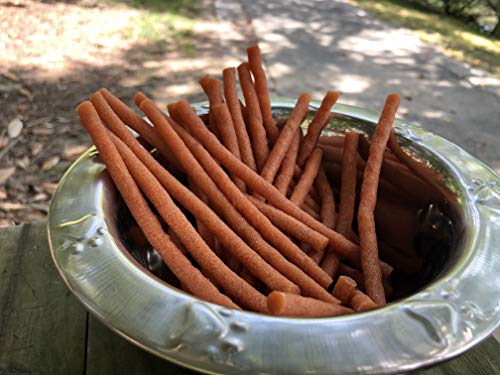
x=457, y=308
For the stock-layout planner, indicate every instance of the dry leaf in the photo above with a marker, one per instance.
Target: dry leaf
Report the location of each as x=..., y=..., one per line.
x=71, y=152
x=49, y=187
x=50, y=163
x=42, y=131
x=40, y=197
x=11, y=206
x=23, y=163
x=14, y=128
x=6, y=173
x=10, y=76
x=25, y=92
x=36, y=148
x=5, y=223
x=3, y=195
x=44, y=207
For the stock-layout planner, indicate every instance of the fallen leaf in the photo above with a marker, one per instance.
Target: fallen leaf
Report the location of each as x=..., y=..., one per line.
x=49, y=187
x=36, y=148
x=3, y=195
x=42, y=131
x=6, y=223
x=23, y=163
x=62, y=119
x=50, y=163
x=6, y=173
x=25, y=92
x=14, y=128
x=40, y=197
x=44, y=207
x=70, y=152
x=10, y=76
x=11, y=206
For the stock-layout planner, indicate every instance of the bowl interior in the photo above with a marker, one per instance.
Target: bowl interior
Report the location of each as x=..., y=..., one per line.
x=434, y=242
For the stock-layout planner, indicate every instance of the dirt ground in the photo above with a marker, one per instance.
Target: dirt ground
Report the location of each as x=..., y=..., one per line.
x=57, y=53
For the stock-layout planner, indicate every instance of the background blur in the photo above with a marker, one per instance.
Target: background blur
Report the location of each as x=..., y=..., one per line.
x=443, y=57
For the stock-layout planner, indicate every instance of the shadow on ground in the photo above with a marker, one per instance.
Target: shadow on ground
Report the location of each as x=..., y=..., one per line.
x=331, y=45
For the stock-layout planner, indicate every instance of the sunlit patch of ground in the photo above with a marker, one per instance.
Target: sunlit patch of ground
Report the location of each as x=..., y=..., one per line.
x=457, y=40
x=55, y=54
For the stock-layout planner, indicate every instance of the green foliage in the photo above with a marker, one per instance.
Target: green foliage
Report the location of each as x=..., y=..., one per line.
x=479, y=13
x=163, y=20
x=457, y=39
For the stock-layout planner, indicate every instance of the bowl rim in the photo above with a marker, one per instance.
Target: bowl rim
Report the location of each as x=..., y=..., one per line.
x=438, y=315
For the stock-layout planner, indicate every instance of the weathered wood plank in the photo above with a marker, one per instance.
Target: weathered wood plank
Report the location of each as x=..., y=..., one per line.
x=42, y=326
x=483, y=359
x=109, y=354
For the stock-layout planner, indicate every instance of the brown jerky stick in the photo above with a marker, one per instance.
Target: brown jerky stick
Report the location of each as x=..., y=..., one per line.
x=370, y=263
x=307, y=179
x=132, y=119
x=328, y=217
x=307, y=285
x=361, y=302
x=332, y=140
x=327, y=212
x=232, y=284
x=309, y=201
x=225, y=126
x=282, y=304
x=406, y=182
x=233, y=104
x=334, y=171
x=330, y=261
x=255, y=63
x=315, y=256
x=255, y=182
x=421, y=170
x=268, y=231
x=285, y=175
x=235, y=245
x=253, y=117
x=284, y=141
x=335, y=154
x=310, y=211
x=213, y=89
x=202, y=229
x=246, y=275
x=316, y=126
x=190, y=276
x=354, y=274
x=291, y=226
x=344, y=289
x=348, y=187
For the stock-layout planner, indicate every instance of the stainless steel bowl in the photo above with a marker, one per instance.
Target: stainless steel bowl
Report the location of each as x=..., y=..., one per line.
x=450, y=314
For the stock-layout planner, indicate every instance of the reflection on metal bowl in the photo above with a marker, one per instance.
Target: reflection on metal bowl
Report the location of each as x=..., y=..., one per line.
x=449, y=305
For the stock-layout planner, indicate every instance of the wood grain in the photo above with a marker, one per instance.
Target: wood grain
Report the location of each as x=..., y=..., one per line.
x=45, y=330
x=110, y=354
x=42, y=326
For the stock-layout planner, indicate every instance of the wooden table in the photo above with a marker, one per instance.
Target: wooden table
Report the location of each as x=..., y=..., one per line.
x=45, y=330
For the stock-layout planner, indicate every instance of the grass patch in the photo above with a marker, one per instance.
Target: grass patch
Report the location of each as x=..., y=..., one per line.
x=163, y=20
x=458, y=40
